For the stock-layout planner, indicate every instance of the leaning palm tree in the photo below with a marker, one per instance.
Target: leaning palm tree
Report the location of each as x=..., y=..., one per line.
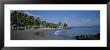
x=44, y=23
x=38, y=21
x=31, y=21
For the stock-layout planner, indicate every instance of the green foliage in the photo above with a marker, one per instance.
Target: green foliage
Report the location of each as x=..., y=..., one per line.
x=19, y=19
x=38, y=21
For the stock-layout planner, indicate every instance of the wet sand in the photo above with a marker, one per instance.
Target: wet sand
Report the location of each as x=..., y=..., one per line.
x=30, y=34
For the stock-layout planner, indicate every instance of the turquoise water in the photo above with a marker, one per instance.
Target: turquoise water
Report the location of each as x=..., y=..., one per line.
x=70, y=34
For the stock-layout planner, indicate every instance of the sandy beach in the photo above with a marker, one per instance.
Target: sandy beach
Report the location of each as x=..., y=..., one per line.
x=30, y=34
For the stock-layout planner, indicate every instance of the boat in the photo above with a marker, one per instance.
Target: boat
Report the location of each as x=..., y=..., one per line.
x=66, y=21
x=58, y=32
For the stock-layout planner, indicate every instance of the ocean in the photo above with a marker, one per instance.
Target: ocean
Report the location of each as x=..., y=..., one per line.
x=69, y=34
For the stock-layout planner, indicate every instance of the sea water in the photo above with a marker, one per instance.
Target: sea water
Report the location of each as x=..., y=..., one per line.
x=70, y=34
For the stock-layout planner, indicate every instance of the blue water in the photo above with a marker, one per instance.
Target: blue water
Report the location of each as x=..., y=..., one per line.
x=70, y=34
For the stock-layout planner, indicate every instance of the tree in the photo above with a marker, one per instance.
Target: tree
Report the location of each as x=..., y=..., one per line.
x=31, y=20
x=19, y=19
x=44, y=23
x=38, y=21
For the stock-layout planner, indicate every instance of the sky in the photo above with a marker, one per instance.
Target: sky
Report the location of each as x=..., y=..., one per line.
x=74, y=17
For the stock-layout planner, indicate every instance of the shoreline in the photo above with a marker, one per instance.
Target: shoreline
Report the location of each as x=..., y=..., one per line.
x=30, y=34
x=33, y=34
x=39, y=29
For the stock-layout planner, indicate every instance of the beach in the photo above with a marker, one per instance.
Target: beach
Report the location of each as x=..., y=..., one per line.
x=30, y=34
x=54, y=25
x=54, y=33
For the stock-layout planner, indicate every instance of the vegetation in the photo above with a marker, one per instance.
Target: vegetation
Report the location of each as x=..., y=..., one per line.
x=21, y=20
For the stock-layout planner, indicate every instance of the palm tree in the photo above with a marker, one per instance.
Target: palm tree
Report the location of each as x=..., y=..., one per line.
x=44, y=23
x=21, y=19
x=38, y=21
